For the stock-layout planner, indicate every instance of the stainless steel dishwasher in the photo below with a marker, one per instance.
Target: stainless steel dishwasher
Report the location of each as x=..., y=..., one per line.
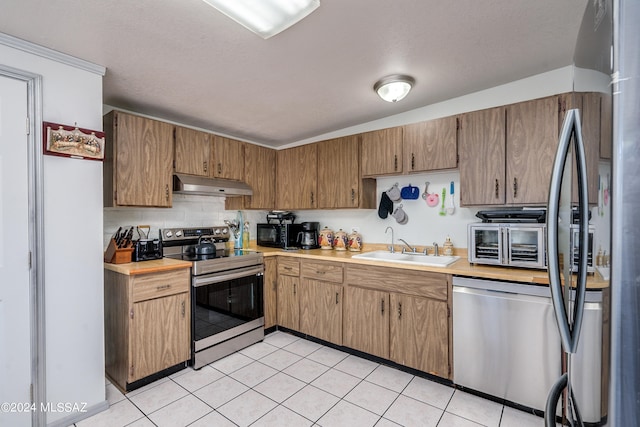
x=506, y=343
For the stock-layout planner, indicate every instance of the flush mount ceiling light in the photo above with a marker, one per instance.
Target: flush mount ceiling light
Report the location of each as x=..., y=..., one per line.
x=266, y=18
x=394, y=88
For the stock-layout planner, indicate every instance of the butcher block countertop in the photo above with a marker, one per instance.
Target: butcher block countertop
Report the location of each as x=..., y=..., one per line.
x=146, y=267
x=458, y=268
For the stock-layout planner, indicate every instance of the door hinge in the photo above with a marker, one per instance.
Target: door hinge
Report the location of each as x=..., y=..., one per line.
x=28, y=126
x=131, y=313
x=449, y=369
x=448, y=312
x=131, y=371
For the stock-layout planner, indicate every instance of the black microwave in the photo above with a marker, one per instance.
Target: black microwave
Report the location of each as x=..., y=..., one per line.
x=278, y=235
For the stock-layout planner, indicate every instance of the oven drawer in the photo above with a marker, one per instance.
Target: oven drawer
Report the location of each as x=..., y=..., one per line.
x=325, y=271
x=288, y=267
x=156, y=285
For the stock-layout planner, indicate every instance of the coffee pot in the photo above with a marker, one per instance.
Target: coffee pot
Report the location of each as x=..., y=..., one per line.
x=308, y=237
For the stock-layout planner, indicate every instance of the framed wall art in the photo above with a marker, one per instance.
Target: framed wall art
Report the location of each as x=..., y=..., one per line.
x=72, y=141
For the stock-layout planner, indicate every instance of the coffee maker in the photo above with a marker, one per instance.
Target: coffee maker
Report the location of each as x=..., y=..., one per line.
x=308, y=237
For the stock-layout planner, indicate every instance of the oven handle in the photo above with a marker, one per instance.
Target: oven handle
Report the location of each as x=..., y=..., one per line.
x=235, y=274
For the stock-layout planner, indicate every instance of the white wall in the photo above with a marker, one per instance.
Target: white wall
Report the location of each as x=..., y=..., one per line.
x=73, y=238
x=425, y=226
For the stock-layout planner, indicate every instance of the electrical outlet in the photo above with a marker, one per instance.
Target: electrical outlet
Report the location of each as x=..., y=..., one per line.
x=355, y=229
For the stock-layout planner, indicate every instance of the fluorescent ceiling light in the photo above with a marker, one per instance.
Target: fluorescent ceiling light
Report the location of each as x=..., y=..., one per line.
x=394, y=88
x=265, y=17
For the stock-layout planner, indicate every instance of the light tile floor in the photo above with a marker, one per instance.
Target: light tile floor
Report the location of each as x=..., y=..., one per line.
x=289, y=381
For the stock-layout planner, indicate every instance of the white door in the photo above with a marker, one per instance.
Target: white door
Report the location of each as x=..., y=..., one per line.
x=15, y=348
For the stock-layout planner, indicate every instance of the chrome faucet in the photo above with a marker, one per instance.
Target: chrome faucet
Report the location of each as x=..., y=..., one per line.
x=435, y=249
x=411, y=248
x=391, y=249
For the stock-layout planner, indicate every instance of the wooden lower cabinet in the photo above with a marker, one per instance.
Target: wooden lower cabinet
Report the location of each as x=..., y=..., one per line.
x=366, y=321
x=270, y=292
x=288, y=305
x=419, y=330
x=321, y=310
x=147, y=324
x=400, y=315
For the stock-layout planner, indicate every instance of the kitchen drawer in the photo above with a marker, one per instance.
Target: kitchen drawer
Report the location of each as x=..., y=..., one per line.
x=325, y=271
x=411, y=282
x=156, y=285
x=288, y=267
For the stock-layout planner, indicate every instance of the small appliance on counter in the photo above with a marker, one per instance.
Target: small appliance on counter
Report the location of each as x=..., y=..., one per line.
x=308, y=236
x=145, y=249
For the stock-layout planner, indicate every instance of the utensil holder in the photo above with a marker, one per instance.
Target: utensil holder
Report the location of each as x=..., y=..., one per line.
x=115, y=255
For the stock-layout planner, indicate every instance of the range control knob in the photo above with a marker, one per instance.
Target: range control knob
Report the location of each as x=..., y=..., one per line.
x=168, y=234
x=225, y=230
x=179, y=233
x=216, y=231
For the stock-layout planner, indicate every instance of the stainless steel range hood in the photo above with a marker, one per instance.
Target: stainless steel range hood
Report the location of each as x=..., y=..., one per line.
x=188, y=184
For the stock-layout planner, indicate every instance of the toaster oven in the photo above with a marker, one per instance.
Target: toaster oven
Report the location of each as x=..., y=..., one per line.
x=508, y=244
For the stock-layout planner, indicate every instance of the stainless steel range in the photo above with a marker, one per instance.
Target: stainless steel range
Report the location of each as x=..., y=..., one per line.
x=226, y=291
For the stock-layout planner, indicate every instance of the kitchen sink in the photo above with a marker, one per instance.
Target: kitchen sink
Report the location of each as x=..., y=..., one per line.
x=409, y=258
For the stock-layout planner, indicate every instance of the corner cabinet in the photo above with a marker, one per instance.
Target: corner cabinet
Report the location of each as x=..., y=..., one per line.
x=296, y=178
x=260, y=175
x=147, y=324
x=431, y=145
x=138, y=164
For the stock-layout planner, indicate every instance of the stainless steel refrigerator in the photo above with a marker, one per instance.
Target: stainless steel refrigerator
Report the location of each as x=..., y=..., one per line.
x=606, y=68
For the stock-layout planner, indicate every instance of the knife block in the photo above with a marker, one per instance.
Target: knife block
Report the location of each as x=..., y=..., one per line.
x=115, y=255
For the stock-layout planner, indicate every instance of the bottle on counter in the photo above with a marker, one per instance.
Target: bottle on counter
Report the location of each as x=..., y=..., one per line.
x=245, y=236
x=599, y=258
x=447, y=247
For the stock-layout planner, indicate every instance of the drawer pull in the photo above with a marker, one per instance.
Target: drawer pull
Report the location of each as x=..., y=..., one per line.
x=320, y=272
x=163, y=287
x=288, y=268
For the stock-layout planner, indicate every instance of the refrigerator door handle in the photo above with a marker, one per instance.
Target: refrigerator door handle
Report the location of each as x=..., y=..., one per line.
x=552, y=403
x=569, y=333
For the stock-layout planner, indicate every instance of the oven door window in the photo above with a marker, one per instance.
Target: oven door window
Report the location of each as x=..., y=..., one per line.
x=225, y=305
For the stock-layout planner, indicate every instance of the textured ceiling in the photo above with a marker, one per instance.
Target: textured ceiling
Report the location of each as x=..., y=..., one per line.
x=183, y=61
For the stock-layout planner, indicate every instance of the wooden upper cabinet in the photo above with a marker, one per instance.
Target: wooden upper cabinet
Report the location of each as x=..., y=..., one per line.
x=192, y=152
x=296, y=177
x=606, y=135
x=591, y=134
x=481, y=145
x=431, y=145
x=339, y=181
x=227, y=161
x=138, y=165
x=532, y=140
x=382, y=152
x=260, y=175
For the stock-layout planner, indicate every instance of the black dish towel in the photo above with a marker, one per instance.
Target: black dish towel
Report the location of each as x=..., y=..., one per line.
x=386, y=206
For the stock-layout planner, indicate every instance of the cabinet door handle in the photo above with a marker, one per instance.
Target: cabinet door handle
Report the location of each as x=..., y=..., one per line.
x=219, y=168
x=413, y=161
x=294, y=288
x=312, y=198
x=166, y=192
x=395, y=162
x=204, y=166
x=399, y=310
x=337, y=301
x=497, y=188
x=382, y=306
x=515, y=187
x=353, y=195
x=184, y=309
